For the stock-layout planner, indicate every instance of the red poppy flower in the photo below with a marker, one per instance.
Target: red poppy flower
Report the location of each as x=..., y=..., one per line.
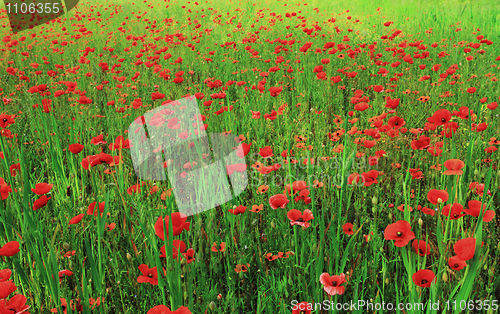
x=465, y=248
x=162, y=309
x=76, y=148
x=5, y=274
x=266, y=152
x=243, y=150
x=421, y=248
x=454, y=167
x=471, y=90
x=332, y=284
x=456, y=263
x=399, y=231
x=238, y=210
x=217, y=248
x=440, y=117
x=475, y=210
x=275, y=91
x=149, y=275
x=41, y=202
x=91, y=210
x=278, y=200
x=297, y=186
x=189, y=256
x=370, y=177
x=6, y=288
x=396, y=122
x=456, y=211
x=178, y=247
x=15, y=169
x=76, y=219
x=179, y=224
x=297, y=218
x=120, y=142
x=16, y=304
x=424, y=277
x=437, y=196
x=42, y=188
x=10, y=249
x=347, y=228
x=302, y=308
x=98, y=140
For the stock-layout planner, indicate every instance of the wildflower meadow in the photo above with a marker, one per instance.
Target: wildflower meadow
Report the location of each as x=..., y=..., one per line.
x=277, y=157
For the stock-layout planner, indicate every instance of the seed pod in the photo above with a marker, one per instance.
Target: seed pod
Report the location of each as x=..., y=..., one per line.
x=211, y=306
x=445, y=277
x=420, y=222
x=129, y=257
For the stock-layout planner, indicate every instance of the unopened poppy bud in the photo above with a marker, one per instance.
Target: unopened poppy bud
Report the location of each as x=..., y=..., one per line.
x=183, y=261
x=476, y=172
x=273, y=225
x=374, y=200
x=445, y=277
x=66, y=246
x=420, y=222
x=390, y=216
x=129, y=257
x=386, y=281
x=219, y=296
x=211, y=306
x=185, y=295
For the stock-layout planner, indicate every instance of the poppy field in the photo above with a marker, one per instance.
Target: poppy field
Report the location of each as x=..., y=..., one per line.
x=364, y=136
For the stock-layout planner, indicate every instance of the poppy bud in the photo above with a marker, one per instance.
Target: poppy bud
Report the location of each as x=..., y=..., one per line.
x=390, y=216
x=185, y=295
x=66, y=246
x=420, y=222
x=129, y=257
x=445, y=277
x=273, y=225
x=211, y=306
x=485, y=267
x=183, y=262
x=219, y=296
x=476, y=172
x=386, y=281
x=374, y=200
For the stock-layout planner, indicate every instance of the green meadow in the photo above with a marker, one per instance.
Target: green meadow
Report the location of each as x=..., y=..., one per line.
x=368, y=134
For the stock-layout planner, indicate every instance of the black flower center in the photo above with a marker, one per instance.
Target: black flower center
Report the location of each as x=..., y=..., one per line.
x=334, y=283
x=443, y=120
x=455, y=265
x=300, y=219
x=424, y=281
x=4, y=119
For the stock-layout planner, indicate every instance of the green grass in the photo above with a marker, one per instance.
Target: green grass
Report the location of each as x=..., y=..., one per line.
x=106, y=262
